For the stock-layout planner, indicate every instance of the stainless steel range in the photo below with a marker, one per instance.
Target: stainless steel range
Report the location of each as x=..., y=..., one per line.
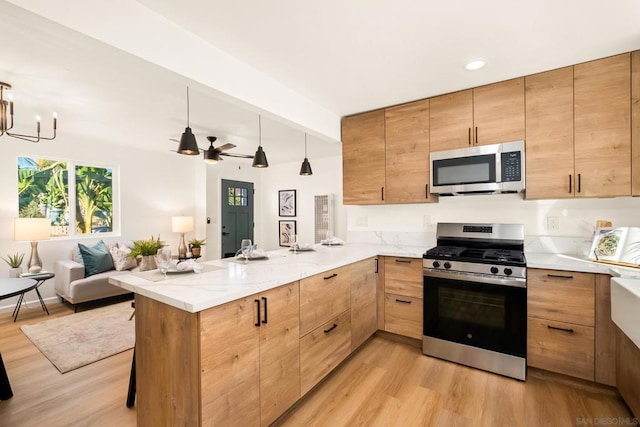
x=475, y=297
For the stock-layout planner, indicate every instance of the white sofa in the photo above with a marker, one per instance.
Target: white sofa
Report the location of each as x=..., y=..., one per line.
x=72, y=286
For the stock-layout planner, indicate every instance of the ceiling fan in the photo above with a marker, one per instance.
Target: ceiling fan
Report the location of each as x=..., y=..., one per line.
x=212, y=154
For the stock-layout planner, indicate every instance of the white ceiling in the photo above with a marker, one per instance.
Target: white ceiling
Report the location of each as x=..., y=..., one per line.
x=347, y=56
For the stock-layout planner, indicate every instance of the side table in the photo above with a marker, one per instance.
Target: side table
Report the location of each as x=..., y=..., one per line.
x=19, y=287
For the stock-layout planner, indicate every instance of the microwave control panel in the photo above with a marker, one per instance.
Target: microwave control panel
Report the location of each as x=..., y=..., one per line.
x=512, y=166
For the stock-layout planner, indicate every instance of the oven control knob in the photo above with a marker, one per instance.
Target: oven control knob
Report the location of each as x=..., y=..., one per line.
x=508, y=271
x=436, y=264
x=447, y=265
x=494, y=270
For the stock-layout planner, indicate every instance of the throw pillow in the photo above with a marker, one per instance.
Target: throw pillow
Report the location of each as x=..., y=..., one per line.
x=121, y=258
x=97, y=258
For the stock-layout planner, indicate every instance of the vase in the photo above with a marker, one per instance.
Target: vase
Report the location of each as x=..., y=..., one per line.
x=195, y=251
x=148, y=262
x=15, y=272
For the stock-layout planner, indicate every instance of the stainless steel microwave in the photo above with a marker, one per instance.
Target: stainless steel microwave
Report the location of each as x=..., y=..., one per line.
x=497, y=168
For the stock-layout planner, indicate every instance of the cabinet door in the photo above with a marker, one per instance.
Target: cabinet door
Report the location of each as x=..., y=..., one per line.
x=324, y=296
x=635, y=123
x=403, y=276
x=565, y=296
x=602, y=115
x=407, y=153
x=403, y=315
x=323, y=349
x=451, y=120
x=549, y=135
x=364, y=321
x=229, y=359
x=363, y=157
x=498, y=112
x=279, y=351
x=605, y=331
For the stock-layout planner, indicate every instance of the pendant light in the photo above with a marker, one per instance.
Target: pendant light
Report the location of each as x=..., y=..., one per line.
x=188, y=144
x=305, y=169
x=260, y=158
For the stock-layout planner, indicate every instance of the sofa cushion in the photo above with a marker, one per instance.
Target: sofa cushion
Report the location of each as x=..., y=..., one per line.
x=121, y=259
x=97, y=258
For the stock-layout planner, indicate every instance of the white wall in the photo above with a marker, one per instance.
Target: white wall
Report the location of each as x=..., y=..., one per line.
x=326, y=179
x=153, y=187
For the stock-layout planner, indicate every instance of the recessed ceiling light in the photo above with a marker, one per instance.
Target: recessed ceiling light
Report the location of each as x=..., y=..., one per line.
x=476, y=64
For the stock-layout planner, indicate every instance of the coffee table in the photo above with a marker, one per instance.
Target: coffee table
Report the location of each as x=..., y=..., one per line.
x=19, y=287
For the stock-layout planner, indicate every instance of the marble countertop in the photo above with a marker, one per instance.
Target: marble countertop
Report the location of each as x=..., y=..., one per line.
x=227, y=280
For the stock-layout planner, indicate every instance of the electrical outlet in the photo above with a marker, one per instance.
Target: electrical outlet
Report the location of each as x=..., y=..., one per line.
x=552, y=223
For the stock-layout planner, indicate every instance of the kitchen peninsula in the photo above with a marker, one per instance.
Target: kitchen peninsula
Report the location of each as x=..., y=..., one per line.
x=242, y=342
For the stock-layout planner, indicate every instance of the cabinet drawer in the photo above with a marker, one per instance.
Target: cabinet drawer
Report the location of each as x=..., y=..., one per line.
x=403, y=315
x=323, y=349
x=403, y=276
x=323, y=297
x=565, y=296
x=561, y=347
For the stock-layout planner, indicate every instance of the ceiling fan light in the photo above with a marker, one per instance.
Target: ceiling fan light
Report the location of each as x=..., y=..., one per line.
x=211, y=156
x=305, y=169
x=188, y=144
x=260, y=159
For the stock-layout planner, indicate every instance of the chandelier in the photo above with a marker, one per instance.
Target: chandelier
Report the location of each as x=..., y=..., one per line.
x=7, y=123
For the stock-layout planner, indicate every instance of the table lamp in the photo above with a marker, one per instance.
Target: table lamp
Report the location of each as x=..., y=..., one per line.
x=32, y=229
x=182, y=224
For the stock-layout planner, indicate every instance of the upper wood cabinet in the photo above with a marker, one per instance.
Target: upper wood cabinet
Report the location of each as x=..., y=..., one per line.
x=484, y=115
x=407, y=153
x=363, y=158
x=549, y=134
x=635, y=123
x=602, y=120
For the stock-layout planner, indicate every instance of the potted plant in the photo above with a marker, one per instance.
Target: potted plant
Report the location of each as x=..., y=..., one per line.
x=15, y=264
x=195, y=245
x=146, y=249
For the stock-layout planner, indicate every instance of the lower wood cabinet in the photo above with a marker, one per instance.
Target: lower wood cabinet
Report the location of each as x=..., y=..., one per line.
x=403, y=304
x=561, y=347
x=323, y=349
x=403, y=315
x=324, y=296
x=235, y=364
x=364, y=319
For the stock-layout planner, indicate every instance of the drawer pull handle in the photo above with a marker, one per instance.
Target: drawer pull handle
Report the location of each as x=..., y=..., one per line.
x=403, y=261
x=555, y=328
x=331, y=277
x=559, y=276
x=335, y=325
x=403, y=301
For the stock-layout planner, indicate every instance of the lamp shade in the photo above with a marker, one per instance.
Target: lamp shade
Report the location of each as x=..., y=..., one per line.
x=32, y=229
x=260, y=159
x=305, y=169
x=188, y=144
x=181, y=224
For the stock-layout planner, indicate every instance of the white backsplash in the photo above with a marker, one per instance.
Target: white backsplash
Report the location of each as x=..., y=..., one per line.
x=415, y=225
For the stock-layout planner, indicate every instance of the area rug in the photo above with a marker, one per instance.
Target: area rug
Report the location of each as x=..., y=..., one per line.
x=76, y=340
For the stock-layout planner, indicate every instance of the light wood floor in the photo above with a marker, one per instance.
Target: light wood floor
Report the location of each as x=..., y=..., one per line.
x=386, y=383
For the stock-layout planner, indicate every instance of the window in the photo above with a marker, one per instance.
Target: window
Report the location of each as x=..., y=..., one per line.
x=47, y=189
x=237, y=196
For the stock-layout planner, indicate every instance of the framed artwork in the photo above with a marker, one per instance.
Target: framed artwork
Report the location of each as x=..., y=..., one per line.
x=287, y=229
x=287, y=202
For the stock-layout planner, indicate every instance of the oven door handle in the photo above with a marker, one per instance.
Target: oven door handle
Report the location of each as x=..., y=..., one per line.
x=476, y=278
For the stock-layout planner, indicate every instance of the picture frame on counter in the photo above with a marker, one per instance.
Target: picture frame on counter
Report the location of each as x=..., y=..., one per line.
x=287, y=229
x=287, y=202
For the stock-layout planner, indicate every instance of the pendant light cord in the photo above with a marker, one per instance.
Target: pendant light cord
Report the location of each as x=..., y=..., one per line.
x=259, y=130
x=305, y=145
x=188, y=106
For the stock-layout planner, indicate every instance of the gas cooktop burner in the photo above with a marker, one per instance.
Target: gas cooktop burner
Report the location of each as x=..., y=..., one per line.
x=446, y=251
x=503, y=255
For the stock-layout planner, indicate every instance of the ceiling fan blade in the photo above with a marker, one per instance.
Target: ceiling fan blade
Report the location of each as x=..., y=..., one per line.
x=240, y=156
x=174, y=140
x=226, y=147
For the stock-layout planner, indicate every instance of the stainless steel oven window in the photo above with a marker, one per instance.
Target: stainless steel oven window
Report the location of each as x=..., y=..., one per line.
x=472, y=307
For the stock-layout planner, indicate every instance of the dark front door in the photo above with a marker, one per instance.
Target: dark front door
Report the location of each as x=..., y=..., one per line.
x=236, y=214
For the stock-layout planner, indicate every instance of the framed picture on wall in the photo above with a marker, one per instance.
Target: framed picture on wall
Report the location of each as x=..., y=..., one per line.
x=287, y=230
x=287, y=202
